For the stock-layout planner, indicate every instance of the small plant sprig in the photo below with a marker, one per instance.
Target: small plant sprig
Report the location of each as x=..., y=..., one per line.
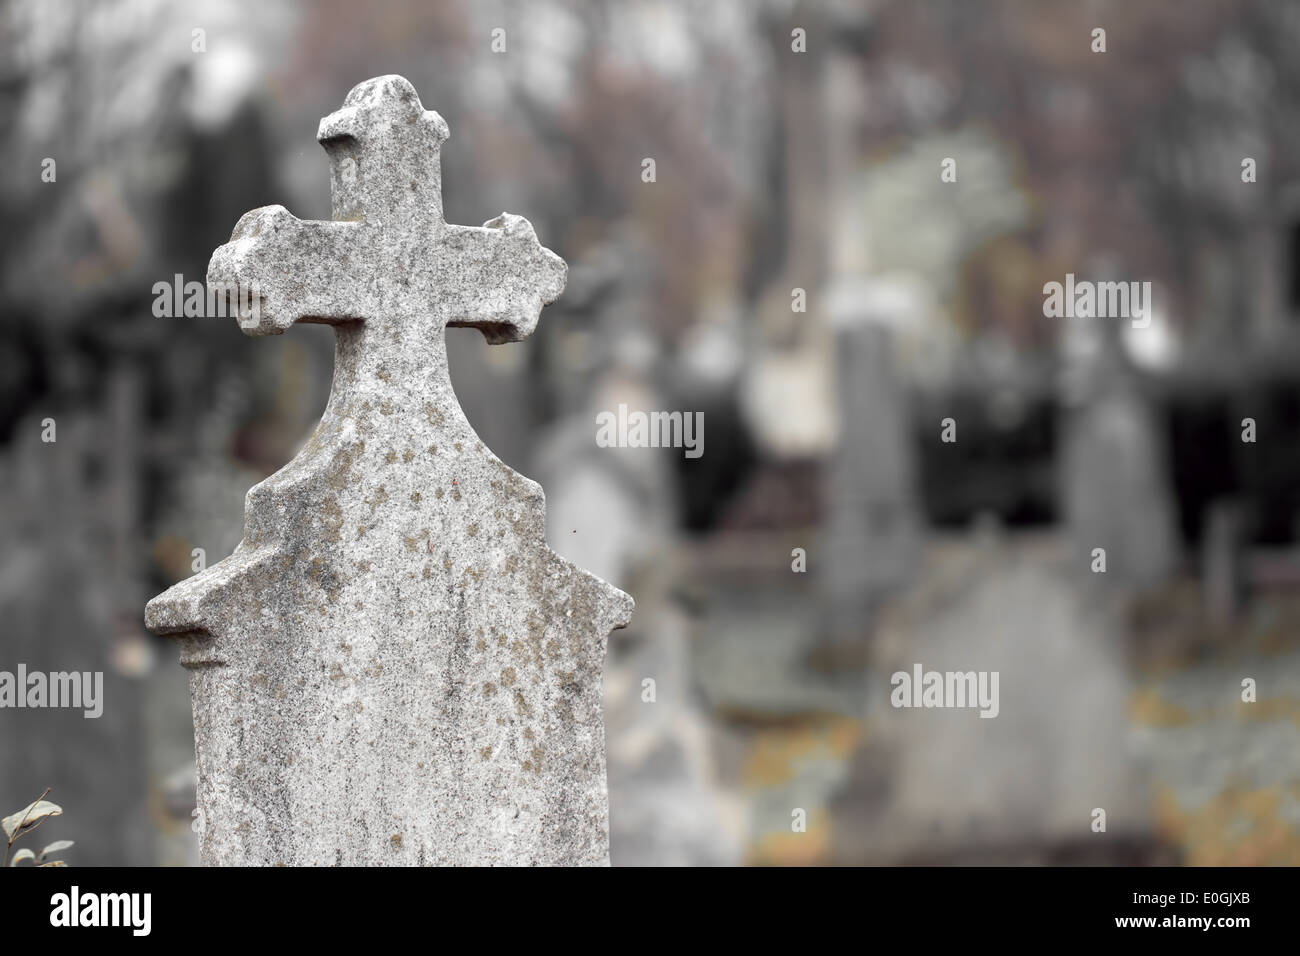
x=25, y=821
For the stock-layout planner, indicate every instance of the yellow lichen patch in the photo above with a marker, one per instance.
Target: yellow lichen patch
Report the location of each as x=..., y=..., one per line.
x=1239, y=827
x=842, y=736
x=522, y=707
x=1149, y=708
x=324, y=578
x=341, y=465
x=1273, y=708
x=376, y=499
x=794, y=849
x=331, y=518
x=777, y=754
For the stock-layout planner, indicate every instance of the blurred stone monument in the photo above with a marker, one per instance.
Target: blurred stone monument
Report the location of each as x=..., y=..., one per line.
x=952, y=786
x=62, y=524
x=871, y=529
x=1113, y=466
x=611, y=510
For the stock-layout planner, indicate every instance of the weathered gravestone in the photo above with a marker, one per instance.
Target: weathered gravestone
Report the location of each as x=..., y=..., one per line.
x=393, y=667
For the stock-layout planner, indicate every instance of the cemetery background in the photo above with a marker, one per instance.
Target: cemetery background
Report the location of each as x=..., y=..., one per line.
x=775, y=170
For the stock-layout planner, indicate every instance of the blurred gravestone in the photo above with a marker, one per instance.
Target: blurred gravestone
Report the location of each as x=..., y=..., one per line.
x=871, y=531
x=1117, y=494
x=610, y=510
x=61, y=526
x=393, y=668
x=949, y=785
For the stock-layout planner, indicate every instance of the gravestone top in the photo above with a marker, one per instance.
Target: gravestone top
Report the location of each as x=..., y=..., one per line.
x=388, y=256
x=392, y=667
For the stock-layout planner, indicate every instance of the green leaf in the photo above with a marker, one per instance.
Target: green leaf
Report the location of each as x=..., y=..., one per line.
x=32, y=815
x=23, y=854
x=54, y=847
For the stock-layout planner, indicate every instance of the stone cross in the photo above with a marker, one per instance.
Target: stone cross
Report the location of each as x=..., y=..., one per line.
x=392, y=667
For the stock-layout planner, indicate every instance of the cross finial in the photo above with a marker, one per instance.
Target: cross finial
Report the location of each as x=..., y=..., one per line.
x=384, y=154
x=388, y=255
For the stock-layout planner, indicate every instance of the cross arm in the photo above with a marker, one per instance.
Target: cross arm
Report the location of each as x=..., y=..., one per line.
x=281, y=269
x=496, y=278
